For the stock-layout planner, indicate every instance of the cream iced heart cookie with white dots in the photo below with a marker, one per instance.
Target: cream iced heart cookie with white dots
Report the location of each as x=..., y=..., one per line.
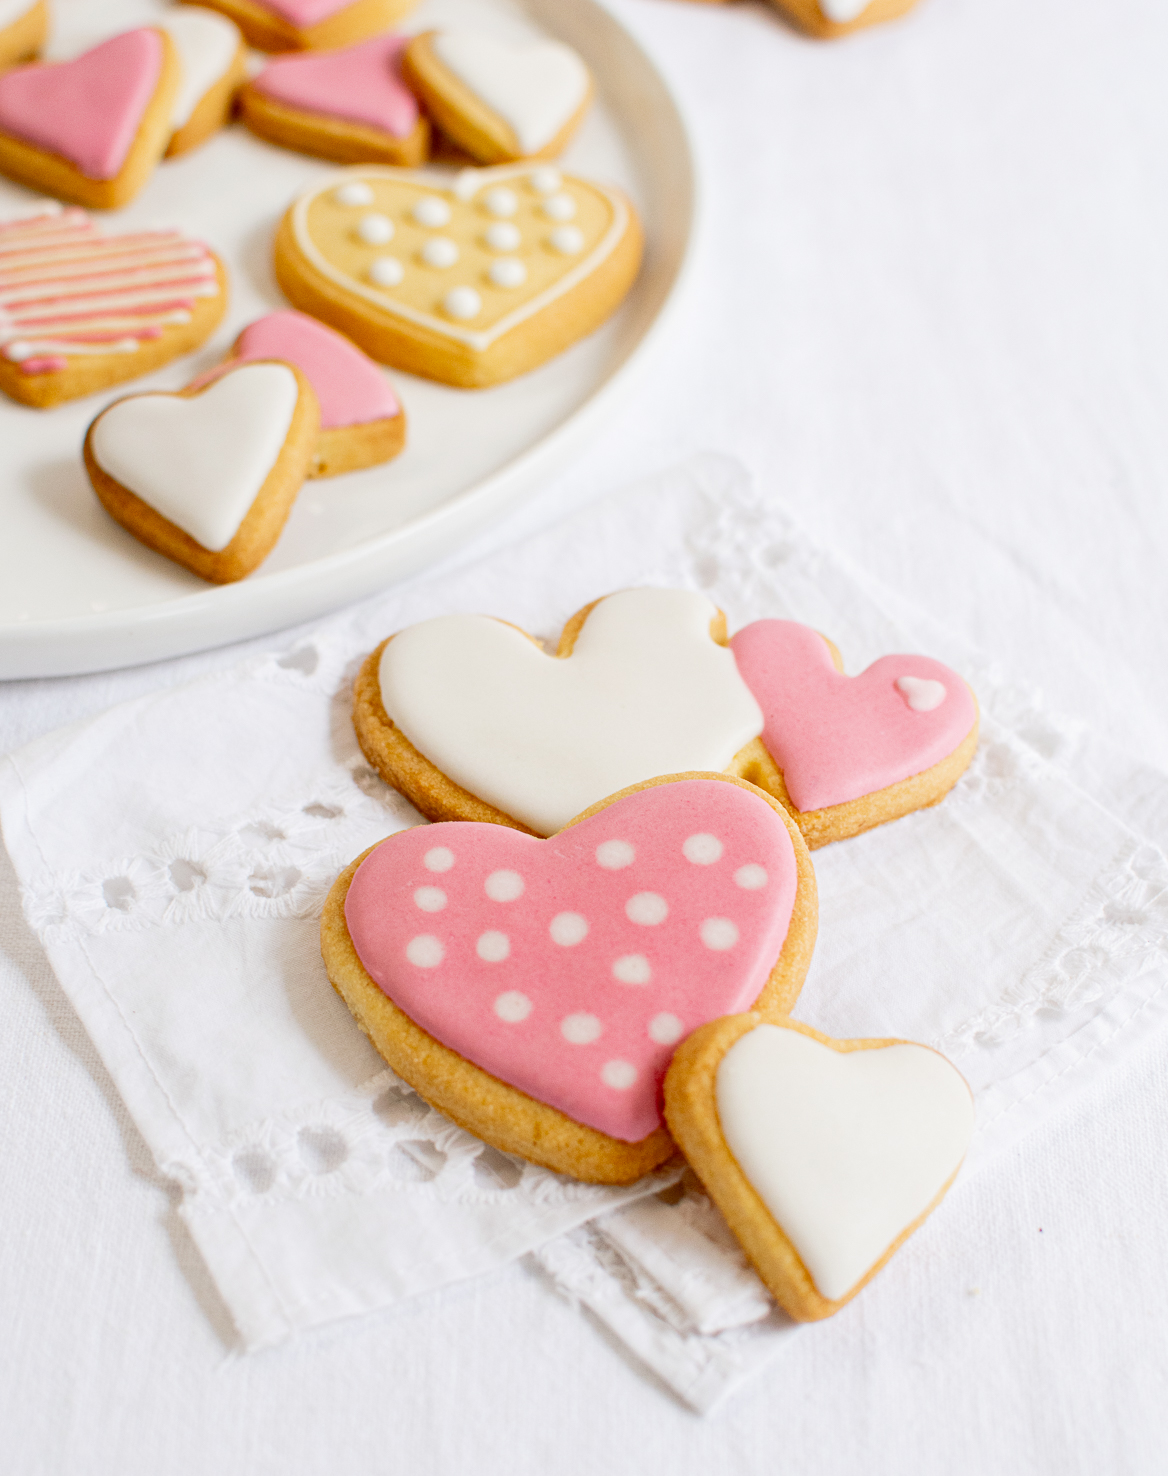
x=207, y=477
x=470, y=284
x=827, y=19
x=213, y=60
x=24, y=29
x=308, y=25
x=534, y=990
x=847, y=753
x=823, y=1155
x=472, y=720
x=496, y=100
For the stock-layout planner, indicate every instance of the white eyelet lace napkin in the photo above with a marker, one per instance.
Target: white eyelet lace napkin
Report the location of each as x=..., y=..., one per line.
x=174, y=854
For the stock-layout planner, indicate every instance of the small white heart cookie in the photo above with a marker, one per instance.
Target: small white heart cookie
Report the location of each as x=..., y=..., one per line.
x=497, y=100
x=828, y=19
x=207, y=477
x=214, y=67
x=823, y=1156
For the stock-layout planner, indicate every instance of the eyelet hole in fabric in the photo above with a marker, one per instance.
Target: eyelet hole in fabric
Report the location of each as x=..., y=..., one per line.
x=119, y=892
x=398, y=1105
x=304, y=658
x=255, y=1170
x=494, y=1170
x=185, y=875
x=258, y=832
x=274, y=882
x=322, y=1149
x=416, y=1161
x=323, y=812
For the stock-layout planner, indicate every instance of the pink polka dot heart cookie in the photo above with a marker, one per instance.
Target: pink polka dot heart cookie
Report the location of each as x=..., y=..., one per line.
x=535, y=990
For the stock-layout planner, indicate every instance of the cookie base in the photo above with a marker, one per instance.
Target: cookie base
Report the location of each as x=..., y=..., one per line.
x=268, y=32
x=349, y=448
x=324, y=137
x=213, y=111
x=807, y=15
x=23, y=39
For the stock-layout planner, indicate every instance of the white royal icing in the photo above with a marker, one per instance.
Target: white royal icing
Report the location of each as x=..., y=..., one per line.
x=207, y=45
x=845, y=1148
x=201, y=461
x=535, y=88
x=923, y=694
x=645, y=692
x=843, y=11
x=507, y=272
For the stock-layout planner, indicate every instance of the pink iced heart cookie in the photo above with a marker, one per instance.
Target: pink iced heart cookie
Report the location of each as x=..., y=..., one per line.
x=535, y=989
x=350, y=105
x=308, y=25
x=91, y=130
x=852, y=752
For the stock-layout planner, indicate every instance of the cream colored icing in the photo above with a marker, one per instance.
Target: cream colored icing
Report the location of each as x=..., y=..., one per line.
x=535, y=88
x=845, y=1148
x=645, y=692
x=207, y=44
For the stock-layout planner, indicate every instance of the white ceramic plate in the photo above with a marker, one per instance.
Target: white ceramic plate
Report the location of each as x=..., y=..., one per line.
x=78, y=594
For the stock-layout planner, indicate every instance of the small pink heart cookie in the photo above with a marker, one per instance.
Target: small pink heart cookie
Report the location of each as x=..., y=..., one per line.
x=91, y=130
x=351, y=106
x=534, y=990
x=309, y=25
x=847, y=753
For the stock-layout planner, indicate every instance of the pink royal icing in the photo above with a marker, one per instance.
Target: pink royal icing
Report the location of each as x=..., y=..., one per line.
x=89, y=110
x=837, y=737
x=351, y=389
x=571, y=967
x=305, y=12
x=361, y=84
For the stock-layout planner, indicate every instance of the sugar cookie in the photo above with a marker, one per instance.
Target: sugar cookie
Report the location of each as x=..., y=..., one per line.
x=471, y=720
x=470, y=285
x=308, y=25
x=91, y=130
x=500, y=101
x=24, y=29
x=207, y=477
x=350, y=106
x=828, y=19
x=849, y=753
x=214, y=66
x=823, y=1155
x=81, y=311
x=534, y=990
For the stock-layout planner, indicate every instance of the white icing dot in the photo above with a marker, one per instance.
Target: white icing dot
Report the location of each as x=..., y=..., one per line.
x=509, y=272
x=503, y=236
x=581, y=1029
x=619, y=1075
x=718, y=933
x=375, y=230
x=567, y=240
x=568, y=929
x=503, y=886
x=353, y=194
x=425, y=951
x=665, y=1029
x=438, y=858
x=386, y=271
x=647, y=908
x=558, y=207
x=440, y=251
x=614, y=855
x=702, y=850
x=922, y=694
x=431, y=211
x=632, y=968
x=463, y=302
x=545, y=181
x=513, y=1007
x=493, y=947
x=750, y=878
x=501, y=201
x=18, y=352
x=430, y=899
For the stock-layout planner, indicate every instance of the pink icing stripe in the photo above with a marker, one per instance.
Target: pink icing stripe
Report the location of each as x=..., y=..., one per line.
x=351, y=389
x=526, y=956
x=304, y=12
x=90, y=110
x=837, y=737
x=361, y=84
x=49, y=364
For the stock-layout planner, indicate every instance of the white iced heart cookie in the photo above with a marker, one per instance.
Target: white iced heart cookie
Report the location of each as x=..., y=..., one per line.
x=823, y=1155
x=214, y=66
x=830, y=18
x=207, y=477
x=470, y=719
x=497, y=100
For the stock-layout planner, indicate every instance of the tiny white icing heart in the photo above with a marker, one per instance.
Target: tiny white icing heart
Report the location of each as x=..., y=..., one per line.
x=201, y=461
x=644, y=692
x=535, y=88
x=922, y=694
x=843, y=11
x=845, y=1148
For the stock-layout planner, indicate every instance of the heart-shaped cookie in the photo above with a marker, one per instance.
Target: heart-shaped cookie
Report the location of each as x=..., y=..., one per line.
x=471, y=720
x=500, y=101
x=852, y=752
x=208, y=477
x=308, y=25
x=24, y=29
x=470, y=285
x=351, y=106
x=823, y=1156
x=535, y=990
x=827, y=19
x=91, y=130
x=214, y=66
x=80, y=311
